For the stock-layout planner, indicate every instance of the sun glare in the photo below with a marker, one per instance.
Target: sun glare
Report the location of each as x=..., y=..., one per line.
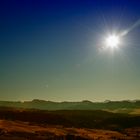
x=112, y=41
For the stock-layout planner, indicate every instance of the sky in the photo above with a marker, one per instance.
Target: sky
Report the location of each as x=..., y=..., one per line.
x=51, y=50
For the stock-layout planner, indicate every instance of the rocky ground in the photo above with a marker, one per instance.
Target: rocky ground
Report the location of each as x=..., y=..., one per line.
x=17, y=130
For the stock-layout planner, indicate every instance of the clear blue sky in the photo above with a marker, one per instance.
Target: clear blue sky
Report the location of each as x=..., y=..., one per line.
x=49, y=50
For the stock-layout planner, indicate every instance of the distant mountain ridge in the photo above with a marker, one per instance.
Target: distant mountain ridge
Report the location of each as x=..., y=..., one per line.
x=83, y=105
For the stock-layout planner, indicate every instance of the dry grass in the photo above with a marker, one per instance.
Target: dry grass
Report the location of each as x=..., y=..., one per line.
x=24, y=130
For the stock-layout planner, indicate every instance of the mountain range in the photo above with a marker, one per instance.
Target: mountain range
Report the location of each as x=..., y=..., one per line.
x=81, y=105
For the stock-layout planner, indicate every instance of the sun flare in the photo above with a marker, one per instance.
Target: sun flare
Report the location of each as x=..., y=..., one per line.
x=112, y=41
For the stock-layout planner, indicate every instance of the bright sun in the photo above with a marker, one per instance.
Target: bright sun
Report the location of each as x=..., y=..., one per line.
x=112, y=41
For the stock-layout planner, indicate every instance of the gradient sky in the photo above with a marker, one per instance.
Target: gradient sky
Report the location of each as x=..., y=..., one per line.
x=49, y=49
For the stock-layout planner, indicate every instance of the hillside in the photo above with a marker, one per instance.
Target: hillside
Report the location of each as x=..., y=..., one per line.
x=73, y=118
x=36, y=124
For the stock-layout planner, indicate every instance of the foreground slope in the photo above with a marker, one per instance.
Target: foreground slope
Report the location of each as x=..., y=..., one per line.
x=17, y=130
x=36, y=124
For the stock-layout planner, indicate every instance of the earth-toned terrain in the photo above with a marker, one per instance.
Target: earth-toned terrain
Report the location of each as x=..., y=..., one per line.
x=17, y=130
x=33, y=124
